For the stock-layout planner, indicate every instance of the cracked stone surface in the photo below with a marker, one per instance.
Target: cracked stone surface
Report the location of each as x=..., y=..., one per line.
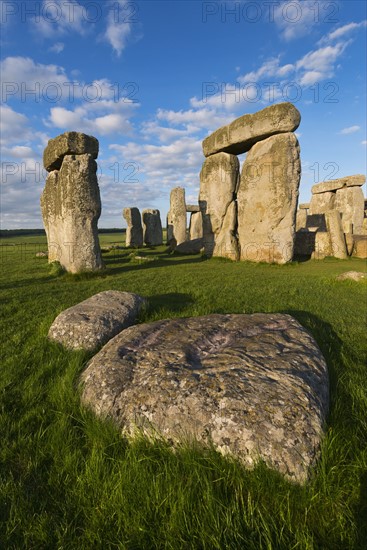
x=93, y=322
x=255, y=386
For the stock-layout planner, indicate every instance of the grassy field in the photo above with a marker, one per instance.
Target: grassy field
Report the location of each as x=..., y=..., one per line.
x=69, y=480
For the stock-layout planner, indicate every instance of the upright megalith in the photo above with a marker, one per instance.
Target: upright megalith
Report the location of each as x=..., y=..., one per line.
x=349, y=201
x=176, y=218
x=267, y=200
x=196, y=226
x=152, y=227
x=218, y=186
x=240, y=135
x=134, y=230
x=71, y=204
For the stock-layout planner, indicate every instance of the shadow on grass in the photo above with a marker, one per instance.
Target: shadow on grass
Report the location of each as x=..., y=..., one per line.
x=174, y=302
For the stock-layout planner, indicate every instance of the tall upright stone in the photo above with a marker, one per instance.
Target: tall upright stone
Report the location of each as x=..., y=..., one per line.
x=176, y=226
x=152, y=227
x=134, y=230
x=196, y=226
x=322, y=202
x=71, y=203
x=336, y=235
x=267, y=200
x=218, y=185
x=349, y=201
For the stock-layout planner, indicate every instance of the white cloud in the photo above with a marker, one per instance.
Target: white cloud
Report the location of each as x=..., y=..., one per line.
x=59, y=18
x=319, y=64
x=82, y=121
x=364, y=142
x=19, y=151
x=119, y=27
x=269, y=68
x=350, y=130
x=14, y=126
x=297, y=18
x=58, y=47
x=342, y=31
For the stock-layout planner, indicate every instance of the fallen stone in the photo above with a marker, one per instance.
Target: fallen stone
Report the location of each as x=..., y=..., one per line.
x=91, y=323
x=352, y=276
x=240, y=135
x=69, y=143
x=134, y=230
x=196, y=226
x=349, y=201
x=41, y=255
x=218, y=184
x=267, y=200
x=152, y=227
x=255, y=386
x=332, y=185
x=71, y=206
x=194, y=246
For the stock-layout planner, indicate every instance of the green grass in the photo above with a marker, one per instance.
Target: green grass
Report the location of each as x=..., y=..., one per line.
x=69, y=480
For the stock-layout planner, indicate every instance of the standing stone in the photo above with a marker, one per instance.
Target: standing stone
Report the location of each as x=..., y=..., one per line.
x=241, y=134
x=267, y=200
x=301, y=219
x=177, y=215
x=134, y=230
x=196, y=226
x=322, y=202
x=335, y=230
x=152, y=227
x=218, y=184
x=349, y=202
x=71, y=206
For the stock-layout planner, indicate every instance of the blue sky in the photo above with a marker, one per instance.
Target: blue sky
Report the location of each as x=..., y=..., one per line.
x=150, y=79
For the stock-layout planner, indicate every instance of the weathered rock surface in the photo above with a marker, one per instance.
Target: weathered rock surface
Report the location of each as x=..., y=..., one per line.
x=301, y=219
x=267, y=200
x=177, y=215
x=256, y=386
x=218, y=184
x=322, y=202
x=69, y=143
x=360, y=246
x=192, y=208
x=196, y=226
x=71, y=206
x=152, y=227
x=134, y=230
x=349, y=201
x=332, y=185
x=226, y=241
x=352, y=275
x=241, y=134
x=323, y=245
x=336, y=235
x=194, y=246
x=94, y=321
x=304, y=206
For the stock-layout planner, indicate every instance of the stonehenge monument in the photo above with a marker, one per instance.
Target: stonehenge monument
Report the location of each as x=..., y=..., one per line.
x=196, y=226
x=252, y=216
x=70, y=202
x=134, y=230
x=334, y=222
x=152, y=227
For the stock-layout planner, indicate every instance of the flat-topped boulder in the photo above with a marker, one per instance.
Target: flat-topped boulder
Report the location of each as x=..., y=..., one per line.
x=332, y=185
x=69, y=143
x=254, y=386
x=241, y=134
x=93, y=322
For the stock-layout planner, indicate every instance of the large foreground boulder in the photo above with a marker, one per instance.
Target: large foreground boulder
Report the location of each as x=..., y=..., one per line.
x=240, y=135
x=256, y=386
x=93, y=322
x=69, y=143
